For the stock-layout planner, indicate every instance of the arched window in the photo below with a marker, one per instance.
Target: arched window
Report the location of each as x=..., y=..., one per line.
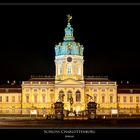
x=111, y=98
x=43, y=98
x=69, y=95
x=78, y=96
x=51, y=97
x=61, y=96
x=103, y=98
x=35, y=98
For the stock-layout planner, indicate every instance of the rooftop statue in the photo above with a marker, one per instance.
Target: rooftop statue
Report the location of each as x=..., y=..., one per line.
x=69, y=18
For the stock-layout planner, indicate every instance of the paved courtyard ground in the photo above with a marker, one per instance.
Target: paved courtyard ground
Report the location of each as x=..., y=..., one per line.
x=35, y=127
x=33, y=122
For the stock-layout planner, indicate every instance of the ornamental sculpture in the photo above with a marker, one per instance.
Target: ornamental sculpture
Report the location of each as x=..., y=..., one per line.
x=69, y=18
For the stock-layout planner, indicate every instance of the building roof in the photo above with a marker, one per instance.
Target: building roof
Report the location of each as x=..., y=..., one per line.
x=10, y=86
x=136, y=86
x=128, y=88
x=10, y=89
x=42, y=78
x=96, y=78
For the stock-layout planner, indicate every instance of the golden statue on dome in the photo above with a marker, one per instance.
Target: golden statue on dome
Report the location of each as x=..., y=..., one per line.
x=69, y=18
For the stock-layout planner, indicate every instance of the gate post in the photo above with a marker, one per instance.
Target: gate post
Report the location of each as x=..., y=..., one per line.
x=91, y=106
x=59, y=107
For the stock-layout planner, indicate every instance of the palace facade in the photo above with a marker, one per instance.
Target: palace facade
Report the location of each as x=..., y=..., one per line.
x=41, y=92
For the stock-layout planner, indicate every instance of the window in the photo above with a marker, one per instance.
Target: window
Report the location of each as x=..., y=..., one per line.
x=137, y=99
x=35, y=98
x=131, y=99
x=27, y=98
x=61, y=96
x=69, y=70
x=43, y=98
x=59, y=70
x=78, y=96
x=35, y=90
x=111, y=99
x=118, y=98
x=27, y=90
x=124, y=98
x=51, y=90
x=103, y=98
x=111, y=90
x=52, y=97
x=79, y=70
x=19, y=98
x=43, y=90
x=69, y=95
x=0, y=98
x=103, y=89
x=94, y=90
x=13, y=98
x=7, y=99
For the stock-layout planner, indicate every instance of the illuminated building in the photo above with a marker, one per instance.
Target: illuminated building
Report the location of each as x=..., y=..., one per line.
x=41, y=92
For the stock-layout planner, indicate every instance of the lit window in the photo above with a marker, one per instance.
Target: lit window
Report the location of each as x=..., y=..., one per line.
x=111, y=90
x=118, y=98
x=124, y=99
x=103, y=98
x=27, y=98
x=27, y=90
x=43, y=90
x=103, y=89
x=51, y=90
x=7, y=99
x=35, y=90
x=111, y=99
x=131, y=99
x=52, y=97
x=137, y=99
x=13, y=98
x=43, y=98
x=69, y=70
x=78, y=96
x=0, y=98
x=35, y=98
x=79, y=70
x=69, y=95
x=59, y=70
x=61, y=96
x=19, y=98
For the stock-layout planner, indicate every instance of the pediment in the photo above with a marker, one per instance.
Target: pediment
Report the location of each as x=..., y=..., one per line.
x=69, y=82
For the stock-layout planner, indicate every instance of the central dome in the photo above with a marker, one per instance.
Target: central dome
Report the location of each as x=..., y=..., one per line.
x=69, y=46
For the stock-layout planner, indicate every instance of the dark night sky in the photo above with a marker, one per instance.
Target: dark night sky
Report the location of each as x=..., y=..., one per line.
x=110, y=35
